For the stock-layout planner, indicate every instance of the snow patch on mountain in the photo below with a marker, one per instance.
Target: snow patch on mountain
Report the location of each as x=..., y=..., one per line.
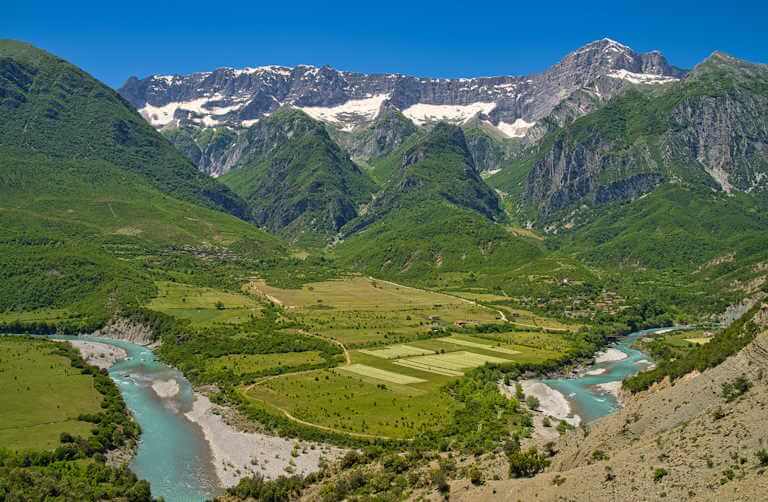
x=641, y=78
x=422, y=113
x=160, y=116
x=349, y=114
x=517, y=129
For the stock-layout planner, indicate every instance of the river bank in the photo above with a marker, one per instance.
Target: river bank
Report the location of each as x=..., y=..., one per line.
x=589, y=391
x=231, y=454
x=239, y=454
x=101, y=355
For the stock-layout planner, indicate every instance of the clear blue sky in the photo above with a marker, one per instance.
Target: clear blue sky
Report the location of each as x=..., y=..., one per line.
x=116, y=39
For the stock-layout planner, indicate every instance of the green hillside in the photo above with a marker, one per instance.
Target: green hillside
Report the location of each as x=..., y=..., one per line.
x=435, y=216
x=300, y=183
x=52, y=107
x=94, y=204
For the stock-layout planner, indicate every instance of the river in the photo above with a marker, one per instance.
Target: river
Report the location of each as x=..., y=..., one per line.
x=173, y=454
x=587, y=399
x=175, y=458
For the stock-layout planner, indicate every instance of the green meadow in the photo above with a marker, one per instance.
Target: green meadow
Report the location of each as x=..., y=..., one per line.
x=43, y=395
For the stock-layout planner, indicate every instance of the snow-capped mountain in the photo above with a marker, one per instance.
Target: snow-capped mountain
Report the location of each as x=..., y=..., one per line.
x=237, y=98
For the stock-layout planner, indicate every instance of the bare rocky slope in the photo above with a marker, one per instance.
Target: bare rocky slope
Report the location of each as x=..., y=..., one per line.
x=681, y=441
x=709, y=129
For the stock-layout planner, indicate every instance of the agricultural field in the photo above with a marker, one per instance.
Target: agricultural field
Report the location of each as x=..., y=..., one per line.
x=361, y=312
x=203, y=306
x=394, y=391
x=42, y=395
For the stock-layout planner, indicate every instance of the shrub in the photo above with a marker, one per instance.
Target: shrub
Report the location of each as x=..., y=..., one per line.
x=475, y=476
x=526, y=464
x=439, y=481
x=762, y=457
x=599, y=455
x=350, y=459
x=659, y=473
x=735, y=389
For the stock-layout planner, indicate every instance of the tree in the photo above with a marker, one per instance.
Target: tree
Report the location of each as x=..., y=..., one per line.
x=532, y=402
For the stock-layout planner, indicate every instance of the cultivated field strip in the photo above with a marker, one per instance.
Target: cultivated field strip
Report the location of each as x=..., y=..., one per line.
x=450, y=364
x=476, y=345
x=409, y=363
x=397, y=351
x=379, y=374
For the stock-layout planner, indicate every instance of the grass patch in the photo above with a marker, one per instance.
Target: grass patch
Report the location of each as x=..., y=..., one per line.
x=359, y=311
x=243, y=364
x=479, y=344
x=203, y=306
x=43, y=395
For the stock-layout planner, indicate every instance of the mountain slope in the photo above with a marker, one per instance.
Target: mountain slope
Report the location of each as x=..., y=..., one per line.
x=435, y=214
x=386, y=133
x=439, y=167
x=49, y=106
x=86, y=225
x=300, y=184
x=711, y=129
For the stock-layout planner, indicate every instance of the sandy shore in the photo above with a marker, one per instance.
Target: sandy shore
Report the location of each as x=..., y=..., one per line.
x=166, y=388
x=551, y=402
x=98, y=354
x=239, y=454
x=609, y=355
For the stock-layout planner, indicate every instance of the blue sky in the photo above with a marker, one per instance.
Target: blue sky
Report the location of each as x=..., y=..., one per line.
x=114, y=40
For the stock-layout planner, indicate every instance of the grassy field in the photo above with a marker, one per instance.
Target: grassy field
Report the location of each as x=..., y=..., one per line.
x=42, y=395
x=353, y=403
x=203, y=306
x=359, y=311
x=243, y=364
x=394, y=391
x=674, y=345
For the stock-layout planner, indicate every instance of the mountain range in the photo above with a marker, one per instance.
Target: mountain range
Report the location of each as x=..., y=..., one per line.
x=609, y=155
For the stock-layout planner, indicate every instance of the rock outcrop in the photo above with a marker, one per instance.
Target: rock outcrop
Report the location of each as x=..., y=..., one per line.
x=127, y=330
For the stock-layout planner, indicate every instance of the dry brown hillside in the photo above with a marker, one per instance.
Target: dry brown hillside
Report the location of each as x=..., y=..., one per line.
x=675, y=442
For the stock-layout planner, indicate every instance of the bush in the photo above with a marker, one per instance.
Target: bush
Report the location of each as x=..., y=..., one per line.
x=350, y=459
x=599, y=455
x=527, y=464
x=659, y=474
x=735, y=389
x=762, y=457
x=532, y=402
x=439, y=481
x=475, y=476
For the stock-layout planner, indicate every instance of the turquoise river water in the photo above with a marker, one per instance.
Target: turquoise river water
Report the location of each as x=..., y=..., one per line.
x=589, y=401
x=173, y=454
